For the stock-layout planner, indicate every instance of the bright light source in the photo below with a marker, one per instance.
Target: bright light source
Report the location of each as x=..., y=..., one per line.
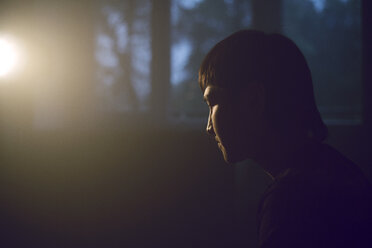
x=8, y=56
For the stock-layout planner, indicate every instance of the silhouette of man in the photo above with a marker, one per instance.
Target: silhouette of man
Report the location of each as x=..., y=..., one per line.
x=259, y=90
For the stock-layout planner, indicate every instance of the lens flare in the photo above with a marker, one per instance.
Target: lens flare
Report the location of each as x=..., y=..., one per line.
x=8, y=57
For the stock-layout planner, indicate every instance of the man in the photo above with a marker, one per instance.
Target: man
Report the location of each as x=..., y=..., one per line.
x=259, y=90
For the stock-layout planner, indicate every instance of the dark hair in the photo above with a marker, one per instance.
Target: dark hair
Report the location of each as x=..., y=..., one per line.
x=275, y=61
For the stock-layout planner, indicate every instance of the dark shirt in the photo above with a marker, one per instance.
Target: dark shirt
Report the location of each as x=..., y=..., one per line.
x=321, y=200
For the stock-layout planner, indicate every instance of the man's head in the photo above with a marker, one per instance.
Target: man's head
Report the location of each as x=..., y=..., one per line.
x=258, y=85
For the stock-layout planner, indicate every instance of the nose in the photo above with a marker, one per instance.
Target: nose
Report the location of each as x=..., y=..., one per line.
x=209, y=129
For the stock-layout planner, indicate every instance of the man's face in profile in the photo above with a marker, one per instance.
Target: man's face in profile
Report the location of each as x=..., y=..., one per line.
x=234, y=123
x=221, y=121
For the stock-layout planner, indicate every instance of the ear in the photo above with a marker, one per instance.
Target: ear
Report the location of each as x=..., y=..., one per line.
x=253, y=98
x=260, y=97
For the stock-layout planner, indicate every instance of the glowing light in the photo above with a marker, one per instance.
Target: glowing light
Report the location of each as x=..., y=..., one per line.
x=8, y=56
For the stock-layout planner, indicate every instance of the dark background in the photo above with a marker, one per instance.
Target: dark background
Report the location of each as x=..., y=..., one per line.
x=134, y=178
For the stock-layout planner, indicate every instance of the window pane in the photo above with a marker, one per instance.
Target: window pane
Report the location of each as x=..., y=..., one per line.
x=123, y=55
x=197, y=25
x=329, y=34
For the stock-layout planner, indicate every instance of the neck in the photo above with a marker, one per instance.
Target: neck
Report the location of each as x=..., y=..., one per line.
x=277, y=154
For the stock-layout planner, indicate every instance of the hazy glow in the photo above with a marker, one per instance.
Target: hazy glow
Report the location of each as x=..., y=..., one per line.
x=8, y=56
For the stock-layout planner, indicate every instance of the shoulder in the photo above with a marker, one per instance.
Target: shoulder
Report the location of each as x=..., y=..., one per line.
x=288, y=211
x=311, y=203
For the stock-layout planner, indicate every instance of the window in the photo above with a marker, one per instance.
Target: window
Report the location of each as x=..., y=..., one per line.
x=327, y=31
x=125, y=77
